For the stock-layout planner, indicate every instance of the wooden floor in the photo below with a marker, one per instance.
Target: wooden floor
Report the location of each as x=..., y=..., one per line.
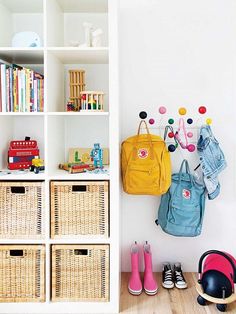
x=173, y=301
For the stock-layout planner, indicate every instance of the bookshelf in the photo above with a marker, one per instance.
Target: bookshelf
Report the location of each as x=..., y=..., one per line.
x=55, y=129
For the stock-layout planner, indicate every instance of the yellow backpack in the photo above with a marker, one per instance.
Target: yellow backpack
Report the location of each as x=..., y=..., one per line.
x=145, y=164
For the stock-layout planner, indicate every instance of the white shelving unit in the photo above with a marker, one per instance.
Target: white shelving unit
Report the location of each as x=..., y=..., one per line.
x=58, y=22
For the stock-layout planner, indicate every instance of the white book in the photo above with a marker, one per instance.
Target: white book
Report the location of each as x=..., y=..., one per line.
x=3, y=87
x=3, y=65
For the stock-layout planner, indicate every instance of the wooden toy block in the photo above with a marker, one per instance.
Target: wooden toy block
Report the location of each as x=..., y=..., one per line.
x=77, y=84
x=77, y=155
x=92, y=101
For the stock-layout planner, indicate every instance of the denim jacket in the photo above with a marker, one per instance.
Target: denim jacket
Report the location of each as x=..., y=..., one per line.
x=212, y=160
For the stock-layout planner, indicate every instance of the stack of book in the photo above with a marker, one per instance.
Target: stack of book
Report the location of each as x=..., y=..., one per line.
x=21, y=89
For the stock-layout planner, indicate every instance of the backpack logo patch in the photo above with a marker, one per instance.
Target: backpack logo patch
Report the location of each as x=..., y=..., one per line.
x=186, y=194
x=142, y=153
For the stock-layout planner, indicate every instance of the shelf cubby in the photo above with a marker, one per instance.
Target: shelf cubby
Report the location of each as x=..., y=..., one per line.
x=20, y=16
x=11, y=128
x=96, y=78
x=22, y=55
x=65, y=132
x=65, y=21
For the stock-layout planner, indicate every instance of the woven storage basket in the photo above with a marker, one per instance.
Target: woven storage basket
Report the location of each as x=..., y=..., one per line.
x=79, y=208
x=80, y=273
x=22, y=273
x=21, y=210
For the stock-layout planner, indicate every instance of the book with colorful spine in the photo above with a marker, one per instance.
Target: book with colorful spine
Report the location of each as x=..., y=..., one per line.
x=21, y=89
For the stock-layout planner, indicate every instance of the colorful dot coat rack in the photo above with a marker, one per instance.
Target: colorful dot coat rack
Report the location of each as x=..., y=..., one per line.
x=180, y=134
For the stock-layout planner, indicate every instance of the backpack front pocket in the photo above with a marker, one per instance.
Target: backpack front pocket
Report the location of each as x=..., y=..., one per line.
x=186, y=216
x=141, y=179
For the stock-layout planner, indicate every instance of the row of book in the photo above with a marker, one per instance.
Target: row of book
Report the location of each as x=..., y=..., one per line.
x=21, y=89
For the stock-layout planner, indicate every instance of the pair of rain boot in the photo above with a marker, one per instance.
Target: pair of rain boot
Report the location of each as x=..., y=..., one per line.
x=135, y=286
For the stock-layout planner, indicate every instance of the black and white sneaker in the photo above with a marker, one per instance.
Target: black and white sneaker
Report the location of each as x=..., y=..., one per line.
x=167, y=276
x=179, y=279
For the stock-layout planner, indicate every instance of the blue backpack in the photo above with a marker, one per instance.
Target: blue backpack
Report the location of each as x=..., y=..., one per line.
x=182, y=208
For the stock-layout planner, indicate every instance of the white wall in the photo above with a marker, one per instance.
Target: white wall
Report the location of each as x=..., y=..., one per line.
x=179, y=53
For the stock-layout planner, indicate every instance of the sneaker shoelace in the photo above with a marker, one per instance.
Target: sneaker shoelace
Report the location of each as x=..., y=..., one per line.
x=179, y=276
x=168, y=275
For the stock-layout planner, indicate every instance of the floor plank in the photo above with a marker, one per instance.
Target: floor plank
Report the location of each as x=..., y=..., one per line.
x=173, y=301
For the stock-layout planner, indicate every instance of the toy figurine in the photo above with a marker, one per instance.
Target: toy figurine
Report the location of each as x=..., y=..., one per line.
x=97, y=38
x=97, y=155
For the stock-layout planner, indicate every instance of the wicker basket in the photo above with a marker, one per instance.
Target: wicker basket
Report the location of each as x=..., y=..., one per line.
x=22, y=273
x=21, y=210
x=80, y=273
x=79, y=208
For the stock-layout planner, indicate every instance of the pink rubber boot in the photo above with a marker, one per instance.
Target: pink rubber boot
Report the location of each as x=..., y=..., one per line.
x=150, y=284
x=135, y=284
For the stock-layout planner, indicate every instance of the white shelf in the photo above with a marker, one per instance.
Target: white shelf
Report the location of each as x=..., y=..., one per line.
x=24, y=176
x=23, y=6
x=20, y=16
x=22, y=241
x=84, y=240
x=83, y=6
x=22, y=55
x=72, y=55
x=71, y=113
x=61, y=113
x=59, y=307
x=65, y=175
x=64, y=240
x=20, y=114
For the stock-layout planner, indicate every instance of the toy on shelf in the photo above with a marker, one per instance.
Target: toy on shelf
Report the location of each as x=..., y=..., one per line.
x=77, y=84
x=21, y=153
x=97, y=38
x=87, y=34
x=70, y=106
x=86, y=160
x=92, y=101
x=26, y=39
x=76, y=167
x=84, y=155
x=93, y=38
x=73, y=43
x=37, y=165
x=97, y=156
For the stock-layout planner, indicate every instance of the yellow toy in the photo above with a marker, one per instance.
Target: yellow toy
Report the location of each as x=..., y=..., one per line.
x=37, y=165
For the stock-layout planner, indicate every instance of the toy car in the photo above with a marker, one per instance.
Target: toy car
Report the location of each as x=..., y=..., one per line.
x=37, y=165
